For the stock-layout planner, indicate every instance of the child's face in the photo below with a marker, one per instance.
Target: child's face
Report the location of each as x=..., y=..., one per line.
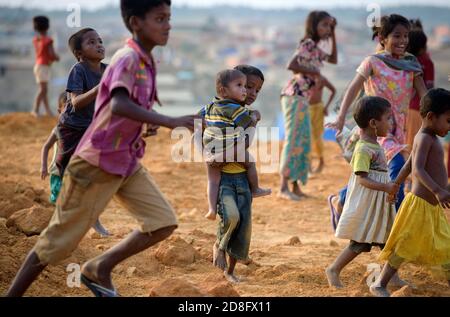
x=92, y=47
x=324, y=28
x=253, y=86
x=154, y=29
x=384, y=125
x=235, y=90
x=397, y=41
x=441, y=123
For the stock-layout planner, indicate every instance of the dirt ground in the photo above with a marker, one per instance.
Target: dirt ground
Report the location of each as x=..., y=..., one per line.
x=182, y=266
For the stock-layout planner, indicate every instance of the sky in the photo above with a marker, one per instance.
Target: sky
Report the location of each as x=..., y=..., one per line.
x=260, y=4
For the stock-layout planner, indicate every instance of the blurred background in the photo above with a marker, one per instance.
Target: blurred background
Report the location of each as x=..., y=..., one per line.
x=208, y=36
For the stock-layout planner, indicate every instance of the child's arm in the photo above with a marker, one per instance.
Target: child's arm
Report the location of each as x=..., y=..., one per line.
x=350, y=95
x=364, y=180
x=53, y=55
x=404, y=172
x=44, y=154
x=81, y=100
x=424, y=143
x=331, y=87
x=296, y=68
x=122, y=105
x=332, y=59
x=419, y=86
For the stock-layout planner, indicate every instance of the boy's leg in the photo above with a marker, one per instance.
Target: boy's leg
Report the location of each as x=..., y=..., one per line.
x=229, y=272
x=345, y=257
x=99, y=269
x=379, y=287
x=81, y=201
x=140, y=195
x=45, y=101
x=39, y=98
x=213, y=190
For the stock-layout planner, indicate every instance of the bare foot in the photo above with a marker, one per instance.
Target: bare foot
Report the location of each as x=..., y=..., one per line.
x=297, y=191
x=211, y=215
x=396, y=281
x=219, y=259
x=231, y=278
x=288, y=195
x=259, y=192
x=333, y=278
x=34, y=114
x=378, y=291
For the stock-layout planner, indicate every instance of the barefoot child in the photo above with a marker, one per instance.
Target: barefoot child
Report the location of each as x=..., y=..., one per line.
x=106, y=163
x=223, y=117
x=394, y=75
x=421, y=232
x=317, y=112
x=235, y=199
x=45, y=56
x=367, y=216
x=82, y=88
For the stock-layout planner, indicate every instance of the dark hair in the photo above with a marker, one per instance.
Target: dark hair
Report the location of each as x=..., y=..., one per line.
x=250, y=70
x=416, y=24
x=368, y=108
x=225, y=77
x=417, y=41
x=138, y=8
x=388, y=24
x=41, y=23
x=313, y=19
x=436, y=100
x=76, y=39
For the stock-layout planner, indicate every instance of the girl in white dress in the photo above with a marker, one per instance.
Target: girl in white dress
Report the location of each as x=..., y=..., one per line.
x=368, y=212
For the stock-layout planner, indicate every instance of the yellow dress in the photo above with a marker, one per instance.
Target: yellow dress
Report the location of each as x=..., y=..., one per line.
x=420, y=234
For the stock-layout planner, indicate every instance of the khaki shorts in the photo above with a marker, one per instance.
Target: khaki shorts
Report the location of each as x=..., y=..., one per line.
x=85, y=192
x=42, y=73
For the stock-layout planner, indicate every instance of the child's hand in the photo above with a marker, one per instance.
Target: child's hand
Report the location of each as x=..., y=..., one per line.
x=443, y=197
x=392, y=199
x=44, y=172
x=184, y=121
x=392, y=188
x=333, y=24
x=150, y=130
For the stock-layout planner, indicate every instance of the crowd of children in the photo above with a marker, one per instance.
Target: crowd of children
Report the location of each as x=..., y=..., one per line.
x=99, y=141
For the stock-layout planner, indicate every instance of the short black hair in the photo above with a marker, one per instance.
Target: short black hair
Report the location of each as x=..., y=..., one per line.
x=416, y=24
x=41, y=23
x=76, y=39
x=313, y=19
x=250, y=70
x=138, y=8
x=368, y=108
x=388, y=24
x=417, y=42
x=436, y=100
x=226, y=76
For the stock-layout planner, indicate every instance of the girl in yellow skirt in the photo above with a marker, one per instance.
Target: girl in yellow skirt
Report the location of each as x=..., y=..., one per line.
x=421, y=232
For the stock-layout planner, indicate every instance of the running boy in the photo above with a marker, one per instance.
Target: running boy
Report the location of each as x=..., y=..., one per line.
x=226, y=113
x=421, y=232
x=45, y=56
x=106, y=162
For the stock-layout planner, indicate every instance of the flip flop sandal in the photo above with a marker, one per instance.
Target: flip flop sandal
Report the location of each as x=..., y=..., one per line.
x=333, y=213
x=98, y=290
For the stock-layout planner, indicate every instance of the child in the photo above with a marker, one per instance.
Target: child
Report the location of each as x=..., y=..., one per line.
x=317, y=112
x=82, y=88
x=392, y=74
x=421, y=232
x=367, y=216
x=418, y=47
x=305, y=66
x=55, y=176
x=106, y=162
x=228, y=112
x=235, y=199
x=45, y=56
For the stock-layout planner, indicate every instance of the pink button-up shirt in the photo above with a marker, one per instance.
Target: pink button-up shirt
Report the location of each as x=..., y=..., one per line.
x=112, y=142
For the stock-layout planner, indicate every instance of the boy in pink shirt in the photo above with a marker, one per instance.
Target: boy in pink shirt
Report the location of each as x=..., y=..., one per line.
x=106, y=162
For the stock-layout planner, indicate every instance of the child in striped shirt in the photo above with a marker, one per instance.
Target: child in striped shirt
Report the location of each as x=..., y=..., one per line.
x=226, y=119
